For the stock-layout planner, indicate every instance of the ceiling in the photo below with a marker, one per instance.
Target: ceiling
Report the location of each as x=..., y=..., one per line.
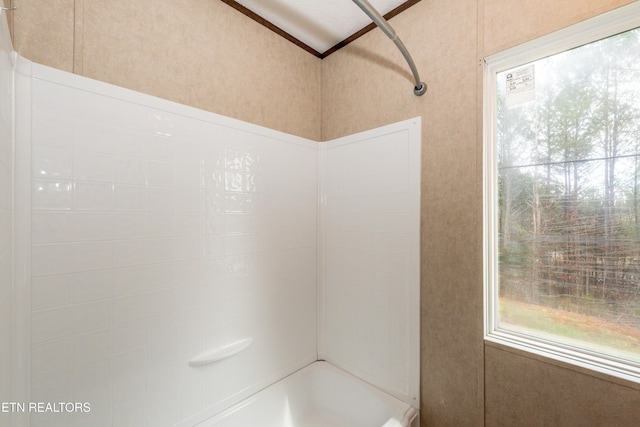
x=319, y=26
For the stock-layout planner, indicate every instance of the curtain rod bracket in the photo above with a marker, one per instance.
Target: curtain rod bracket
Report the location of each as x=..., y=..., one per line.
x=420, y=90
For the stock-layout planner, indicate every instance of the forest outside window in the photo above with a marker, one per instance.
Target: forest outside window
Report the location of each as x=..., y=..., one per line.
x=562, y=195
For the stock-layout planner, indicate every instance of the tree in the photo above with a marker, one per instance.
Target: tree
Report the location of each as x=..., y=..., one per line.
x=568, y=179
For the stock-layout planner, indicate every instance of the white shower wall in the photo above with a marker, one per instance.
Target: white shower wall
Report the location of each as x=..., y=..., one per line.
x=370, y=296
x=149, y=232
x=159, y=232
x=6, y=207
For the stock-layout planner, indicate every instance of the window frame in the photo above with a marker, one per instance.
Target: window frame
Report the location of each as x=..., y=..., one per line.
x=606, y=25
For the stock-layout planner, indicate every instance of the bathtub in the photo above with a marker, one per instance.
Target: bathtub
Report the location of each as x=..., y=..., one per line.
x=319, y=395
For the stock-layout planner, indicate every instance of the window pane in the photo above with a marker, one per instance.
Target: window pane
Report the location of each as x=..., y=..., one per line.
x=569, y=208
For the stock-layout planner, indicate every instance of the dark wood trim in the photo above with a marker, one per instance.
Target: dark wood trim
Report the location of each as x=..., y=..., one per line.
x=404, y=6
x=260, y=20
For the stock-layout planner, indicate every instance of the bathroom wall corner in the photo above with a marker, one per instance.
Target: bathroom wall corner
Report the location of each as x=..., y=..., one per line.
x=321, y=338
x=21, y=289
x=6, y=208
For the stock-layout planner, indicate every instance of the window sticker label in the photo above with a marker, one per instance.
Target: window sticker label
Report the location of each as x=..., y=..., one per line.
x=521, y=86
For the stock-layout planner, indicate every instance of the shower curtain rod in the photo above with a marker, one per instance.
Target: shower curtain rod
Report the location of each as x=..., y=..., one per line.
x=420, y=87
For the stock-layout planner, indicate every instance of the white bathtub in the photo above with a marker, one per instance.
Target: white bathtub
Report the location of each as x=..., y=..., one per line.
x=319, y=395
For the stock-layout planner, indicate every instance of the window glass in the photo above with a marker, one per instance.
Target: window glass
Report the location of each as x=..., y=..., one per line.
x=567, y=184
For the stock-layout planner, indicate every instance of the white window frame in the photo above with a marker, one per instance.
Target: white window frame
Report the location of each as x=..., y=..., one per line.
x=614, y=22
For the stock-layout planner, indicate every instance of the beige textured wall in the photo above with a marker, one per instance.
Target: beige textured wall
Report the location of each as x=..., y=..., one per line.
x=43, y=31
x=203, y=53
x=525, y=391
x=509, y=23
x=464, y=382
x=197, y=52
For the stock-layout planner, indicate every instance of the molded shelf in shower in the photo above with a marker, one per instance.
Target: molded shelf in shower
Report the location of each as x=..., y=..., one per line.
x=221, y=353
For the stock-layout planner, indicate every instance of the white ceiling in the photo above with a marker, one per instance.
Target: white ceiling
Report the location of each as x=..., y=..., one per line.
x=320, y=24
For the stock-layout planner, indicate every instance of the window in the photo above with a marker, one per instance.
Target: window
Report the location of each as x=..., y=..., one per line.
x=562, y=195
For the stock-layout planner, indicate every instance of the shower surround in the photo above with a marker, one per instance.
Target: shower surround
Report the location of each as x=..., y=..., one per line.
x=158, y=232
x=157, y=235
x=6, y=207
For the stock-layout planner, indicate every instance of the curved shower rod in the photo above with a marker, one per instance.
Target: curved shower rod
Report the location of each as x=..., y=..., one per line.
x=420, y=87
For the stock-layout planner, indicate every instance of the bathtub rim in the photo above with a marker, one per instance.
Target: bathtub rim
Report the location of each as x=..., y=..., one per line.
x=410, y=415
